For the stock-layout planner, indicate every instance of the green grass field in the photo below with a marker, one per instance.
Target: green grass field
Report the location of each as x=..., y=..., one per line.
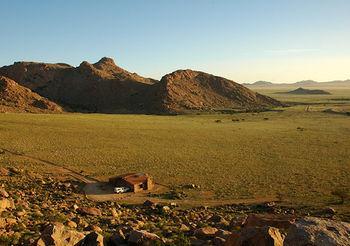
x=254, y=158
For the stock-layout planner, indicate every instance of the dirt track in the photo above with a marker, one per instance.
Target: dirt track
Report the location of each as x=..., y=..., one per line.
x=61, y=169
x=97, y=190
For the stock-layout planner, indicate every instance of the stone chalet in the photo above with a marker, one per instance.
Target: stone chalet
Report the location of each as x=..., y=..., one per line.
x=135, y=181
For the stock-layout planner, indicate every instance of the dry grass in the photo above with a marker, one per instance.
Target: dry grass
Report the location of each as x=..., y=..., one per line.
x=254, y=158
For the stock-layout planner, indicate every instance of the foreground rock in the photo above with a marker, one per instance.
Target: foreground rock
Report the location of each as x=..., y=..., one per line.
x=57, y=234
x=89, y=211
x=261, y=220
x=92, y=239
x=3, y=193
x=6, y=204
x=206, y=232
x=320, y=232
x=256, y=236
x=34, y=202
x=143, y=238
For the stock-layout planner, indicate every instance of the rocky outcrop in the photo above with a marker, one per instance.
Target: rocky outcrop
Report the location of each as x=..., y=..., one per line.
x=187, y=90
x=317, y=231
x=57, y=234
x=98, y=87
x=273, y=220
x=34, y=75
x=16, y=98
x=106, y=88
x=256, y=236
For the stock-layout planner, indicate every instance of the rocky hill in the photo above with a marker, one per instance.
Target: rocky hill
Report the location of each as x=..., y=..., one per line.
x=106, y=88
x=302, y=91
x=34, y=75
x=16, y=98
x=187, y=90
x=100, y=87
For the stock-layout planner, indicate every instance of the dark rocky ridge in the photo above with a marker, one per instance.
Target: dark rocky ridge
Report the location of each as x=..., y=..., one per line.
x=16, y=98
x=106, y=88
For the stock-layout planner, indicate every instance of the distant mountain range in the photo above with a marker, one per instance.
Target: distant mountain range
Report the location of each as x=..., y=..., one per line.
x=304, y=83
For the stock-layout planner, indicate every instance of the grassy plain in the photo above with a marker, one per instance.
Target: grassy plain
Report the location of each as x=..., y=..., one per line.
x=338, y=95
x=294, y=155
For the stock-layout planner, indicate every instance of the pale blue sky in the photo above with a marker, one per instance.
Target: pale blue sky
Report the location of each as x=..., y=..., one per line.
x=247, y=40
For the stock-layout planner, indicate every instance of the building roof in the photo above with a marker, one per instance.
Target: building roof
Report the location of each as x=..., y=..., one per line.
x=134, y=178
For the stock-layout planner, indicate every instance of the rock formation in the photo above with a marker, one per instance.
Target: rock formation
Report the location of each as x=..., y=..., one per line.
x=106, y=88
x=16, y=98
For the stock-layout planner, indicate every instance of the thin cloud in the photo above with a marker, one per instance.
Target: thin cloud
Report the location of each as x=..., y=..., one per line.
x=286, y=51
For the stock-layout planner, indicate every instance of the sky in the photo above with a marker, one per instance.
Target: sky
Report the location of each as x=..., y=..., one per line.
x=246, y=41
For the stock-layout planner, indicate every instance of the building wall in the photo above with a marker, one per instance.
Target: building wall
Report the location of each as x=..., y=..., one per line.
x=150, y=184
x=146, y=185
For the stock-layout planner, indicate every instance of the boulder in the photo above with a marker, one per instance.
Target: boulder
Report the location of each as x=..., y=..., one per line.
x=166, y=209
x=117, y=239
x=217, y=219
x=317, y=231
x=80, y=222
x=4, y=171
x=3, y=193
x=115, y=213
x=223, y=234
x=71, y=224
x=206, y=232
x=89, y=211
x=92, y=239
x=150, y=204
x=262, y=220
x=6, y=204
x=3, y=223
x=57, y=234
x=184, y=228
x=93, y=228
x=141, y=237
x=238, y=222
x=256, y=236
